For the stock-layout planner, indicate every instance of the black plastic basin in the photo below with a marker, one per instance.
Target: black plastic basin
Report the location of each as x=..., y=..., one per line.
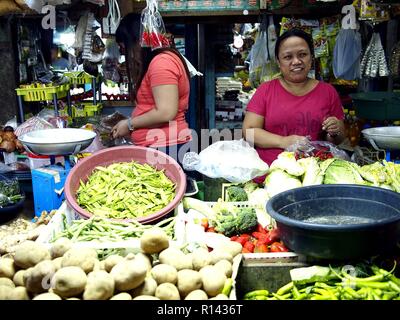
x=337, y=222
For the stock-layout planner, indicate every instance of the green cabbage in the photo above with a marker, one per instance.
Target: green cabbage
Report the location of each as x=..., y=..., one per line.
x=343, y=172
x=312, y=174
x=287, y=161
x=278, y=181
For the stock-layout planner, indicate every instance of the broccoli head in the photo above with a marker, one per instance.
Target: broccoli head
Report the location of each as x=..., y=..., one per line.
x=236, y=194
x=246, y=220
x=226, y=225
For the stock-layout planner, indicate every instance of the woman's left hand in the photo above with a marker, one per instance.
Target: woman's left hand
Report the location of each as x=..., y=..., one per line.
x=121, y=129
x=332, y=126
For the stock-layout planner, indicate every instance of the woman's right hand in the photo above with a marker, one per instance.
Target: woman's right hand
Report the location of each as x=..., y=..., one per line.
x=290, y=140
x=121, y=129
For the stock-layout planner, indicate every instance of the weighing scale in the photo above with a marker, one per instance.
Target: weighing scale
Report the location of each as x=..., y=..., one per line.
x=48, y=181
x=385, y=139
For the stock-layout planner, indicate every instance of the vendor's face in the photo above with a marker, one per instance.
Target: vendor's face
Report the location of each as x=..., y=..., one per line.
x=294, y=59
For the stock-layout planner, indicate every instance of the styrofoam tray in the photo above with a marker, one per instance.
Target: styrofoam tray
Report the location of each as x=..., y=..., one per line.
x=56, y=225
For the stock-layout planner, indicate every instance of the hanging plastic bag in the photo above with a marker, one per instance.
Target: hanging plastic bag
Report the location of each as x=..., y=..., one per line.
x=262, y=64
x=235, y=161
x=152, y=28
x=110, y=61
x=347, y=55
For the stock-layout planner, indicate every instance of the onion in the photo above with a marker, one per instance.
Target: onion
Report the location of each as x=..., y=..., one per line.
x=8, y=146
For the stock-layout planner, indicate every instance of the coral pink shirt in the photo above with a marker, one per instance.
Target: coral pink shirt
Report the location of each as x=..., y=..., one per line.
x=165, y=68
x=286, y=114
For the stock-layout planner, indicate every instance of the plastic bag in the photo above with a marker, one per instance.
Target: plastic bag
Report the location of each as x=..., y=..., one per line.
x=321, y=149
x=262, y=67
x=33, y=124
x=96, y=144
x=235, y=161
x=347, y=54
x=152, y=28
x=111, y=60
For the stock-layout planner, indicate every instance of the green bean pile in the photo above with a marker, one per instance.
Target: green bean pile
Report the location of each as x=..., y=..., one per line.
x=125, y=190
x=103, y=229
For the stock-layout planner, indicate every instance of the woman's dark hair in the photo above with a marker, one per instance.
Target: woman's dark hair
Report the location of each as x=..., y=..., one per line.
x=137, y=58
x=294, y=33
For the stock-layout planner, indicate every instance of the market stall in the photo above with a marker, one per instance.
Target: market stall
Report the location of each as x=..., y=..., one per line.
x=114, y=220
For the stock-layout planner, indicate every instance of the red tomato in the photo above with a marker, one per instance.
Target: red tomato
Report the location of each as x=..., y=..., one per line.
x=249, y=246
x=278, y=247
x=260, y=248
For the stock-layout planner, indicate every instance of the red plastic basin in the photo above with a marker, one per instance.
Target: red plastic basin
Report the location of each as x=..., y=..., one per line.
x=159, y=160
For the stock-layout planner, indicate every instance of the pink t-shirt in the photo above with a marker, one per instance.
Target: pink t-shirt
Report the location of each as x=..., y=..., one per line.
x=286, y=114
x=165, y=68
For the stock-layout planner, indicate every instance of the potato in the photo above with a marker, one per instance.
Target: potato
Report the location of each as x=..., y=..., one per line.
x=100, y=286
x=145, y=297
x=7, y=282
x=29, y=254
x=233, y=247
x=122, y=296
x=20, y=293
x=97, y=265
x=197, y=295
x=47, y=296
x=6, y=292
x=85, y=258
x=213, y=280
x=220, y=296
x=176, y=258
x=38, y=278
x=130, y=256
x=201, y=258
x=154, y=240
x=69, y=281
x=57, y=263
x=225, y=266
x=111, y=261
x=73, y=298
x=164, y=273
x=60, y=247
x=167, y=291
x=18, y=278
x=129, y=274
x=147, y=288
x=218, y=255
x=7, y=268
x=188, y=281
x=146, y=259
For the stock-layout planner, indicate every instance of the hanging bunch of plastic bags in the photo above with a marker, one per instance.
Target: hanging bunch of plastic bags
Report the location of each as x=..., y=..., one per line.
x=262, y=65
x=152, y=27
x=347, y=55
x=373, y=63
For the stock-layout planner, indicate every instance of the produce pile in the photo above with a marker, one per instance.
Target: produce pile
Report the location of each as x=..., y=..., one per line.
x=238, y=223
x=102, y=229
x=286, y=173
x=10, y=192
x=157, y=272
x=20, y=230
x=9, y=141
x=326, y=283
x=125, y=190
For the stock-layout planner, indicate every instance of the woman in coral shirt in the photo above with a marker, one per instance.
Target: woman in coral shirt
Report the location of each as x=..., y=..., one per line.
x=160, y=90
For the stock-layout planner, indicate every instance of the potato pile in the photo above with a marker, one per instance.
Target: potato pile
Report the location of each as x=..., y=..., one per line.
x=158, y=272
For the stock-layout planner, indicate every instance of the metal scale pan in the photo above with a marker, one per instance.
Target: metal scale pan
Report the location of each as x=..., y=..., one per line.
x=54, y=142
x=387, y=138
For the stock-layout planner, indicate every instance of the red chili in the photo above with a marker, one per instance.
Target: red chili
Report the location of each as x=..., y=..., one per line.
x=204, y=223
x=273, y=236
x=249, y=246
x=260, y=248
x=278, y=247
x=260, y=228
x=211, y=229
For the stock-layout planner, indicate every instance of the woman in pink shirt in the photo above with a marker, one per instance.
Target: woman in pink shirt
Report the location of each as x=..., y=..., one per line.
x=159, y=86
x=288, y=109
